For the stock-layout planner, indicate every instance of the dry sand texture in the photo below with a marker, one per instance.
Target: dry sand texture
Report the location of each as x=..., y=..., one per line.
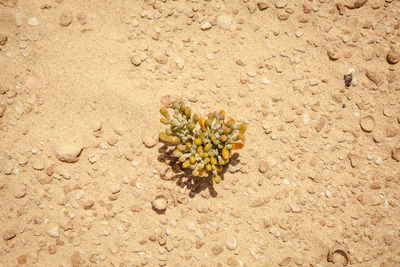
x=81, y=83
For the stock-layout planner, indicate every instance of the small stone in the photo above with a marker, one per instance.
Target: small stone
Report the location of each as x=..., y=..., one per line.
x=217, y=249
x=9, y=234
x=149, y=141
x=136, y=60
x=355, y=4
x=391, y=131
x=3, y=108
x=263, y=166
x=113, y=140
x=393, y=56
x=76, y=259
x=232, y=262
x=69, y=153
x=52, y=249
x=231, y=243
x=265, y=81
x=396, y=154
x=280, y=4
x=3, y=39
x=53, y=232
x=295, y=208
x=180, y=63
x=262, y=6
x=320, y=124
x=375, y=185
x=206, y=26
x=33, y=21
x=355, y=160
x=82, y=18
x=224, y=22
x=285, y=261
x=159, y=203
x=374, y=77
x=22, y=259
x=367, y=124
x=66, y=18
x=87, y=205
x=333, y=54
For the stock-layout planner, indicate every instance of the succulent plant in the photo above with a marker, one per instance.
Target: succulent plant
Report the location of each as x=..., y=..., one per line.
x=202, y=144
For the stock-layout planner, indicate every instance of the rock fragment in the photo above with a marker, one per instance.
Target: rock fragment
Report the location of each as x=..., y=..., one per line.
x=69, y=153
x=3, y=39
x=374, y=77
x=76, y=259
x=355, y=4
x=217, y=249
x=320, y=124
x=224, y=22
x=367, y=124
x=3, y=108
x=392, y=57
x=136, y=60
x=53, y=232
x=66, y=18
x=396, y=154
x=9, y=234
x=280, y=4
x=206, y=26
x=22, y=258
x=262, y=6
x=263, y=166
x=149, y=141
x=159, y=204
x=231, y=243
x=355, y=160
x=180, y=63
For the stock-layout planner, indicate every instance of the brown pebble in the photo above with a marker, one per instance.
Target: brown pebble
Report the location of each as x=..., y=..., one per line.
x=136, y=208
x=355, y=4
x=3, y=39
x=262, y=6
x=76, y=259
x=263, y=166
x=333, y=54
x=232, y=261
x=396, y=154
x=391, y=131
x=3, y=108
x=393, y=56
x=112, y=140
x=354, y=160
x=66, y=18
x=375, y=185
x=136, y=60
x=374, y=77
x=22, y=259
x=82, y=18
x=88, y=204
x=217, y=249
x=285, y=261
x=9, y=234
x=367, y=124
x=320, y=124
x=52, y=249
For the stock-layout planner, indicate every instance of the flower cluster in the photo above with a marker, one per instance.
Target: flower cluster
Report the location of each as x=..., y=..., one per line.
x=202, y=144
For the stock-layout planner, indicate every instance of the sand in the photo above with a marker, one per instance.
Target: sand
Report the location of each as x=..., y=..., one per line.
x=316, y=184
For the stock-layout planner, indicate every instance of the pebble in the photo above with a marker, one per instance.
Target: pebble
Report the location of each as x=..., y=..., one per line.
x=53, y=232
x=206, y=26
x=295, y=208
x=180, y=63
x=69, y=153
x=224, y=22
x=149, y=141
x=393, y=56
x=367, y=124
x=280, y=4
x=263, y=166
x=396, y=154
x=3, y=108
x=33, y=21
x=379, y=161
x=9, y=234
x=262, y=6
x=22, y=258
x=265, y=81
x=136, y=60
x=3, y=39
x=217, y=249
x=66, y=18
x=231, y=243
x=159, y=203
x=76, y=259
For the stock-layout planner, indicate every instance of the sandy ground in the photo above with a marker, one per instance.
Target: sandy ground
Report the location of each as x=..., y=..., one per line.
x=81, y=84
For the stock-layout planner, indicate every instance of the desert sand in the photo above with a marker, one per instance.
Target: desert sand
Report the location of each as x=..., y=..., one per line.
x=81, y=166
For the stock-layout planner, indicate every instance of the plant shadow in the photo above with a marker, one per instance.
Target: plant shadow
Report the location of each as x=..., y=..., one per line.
x=184, y=178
